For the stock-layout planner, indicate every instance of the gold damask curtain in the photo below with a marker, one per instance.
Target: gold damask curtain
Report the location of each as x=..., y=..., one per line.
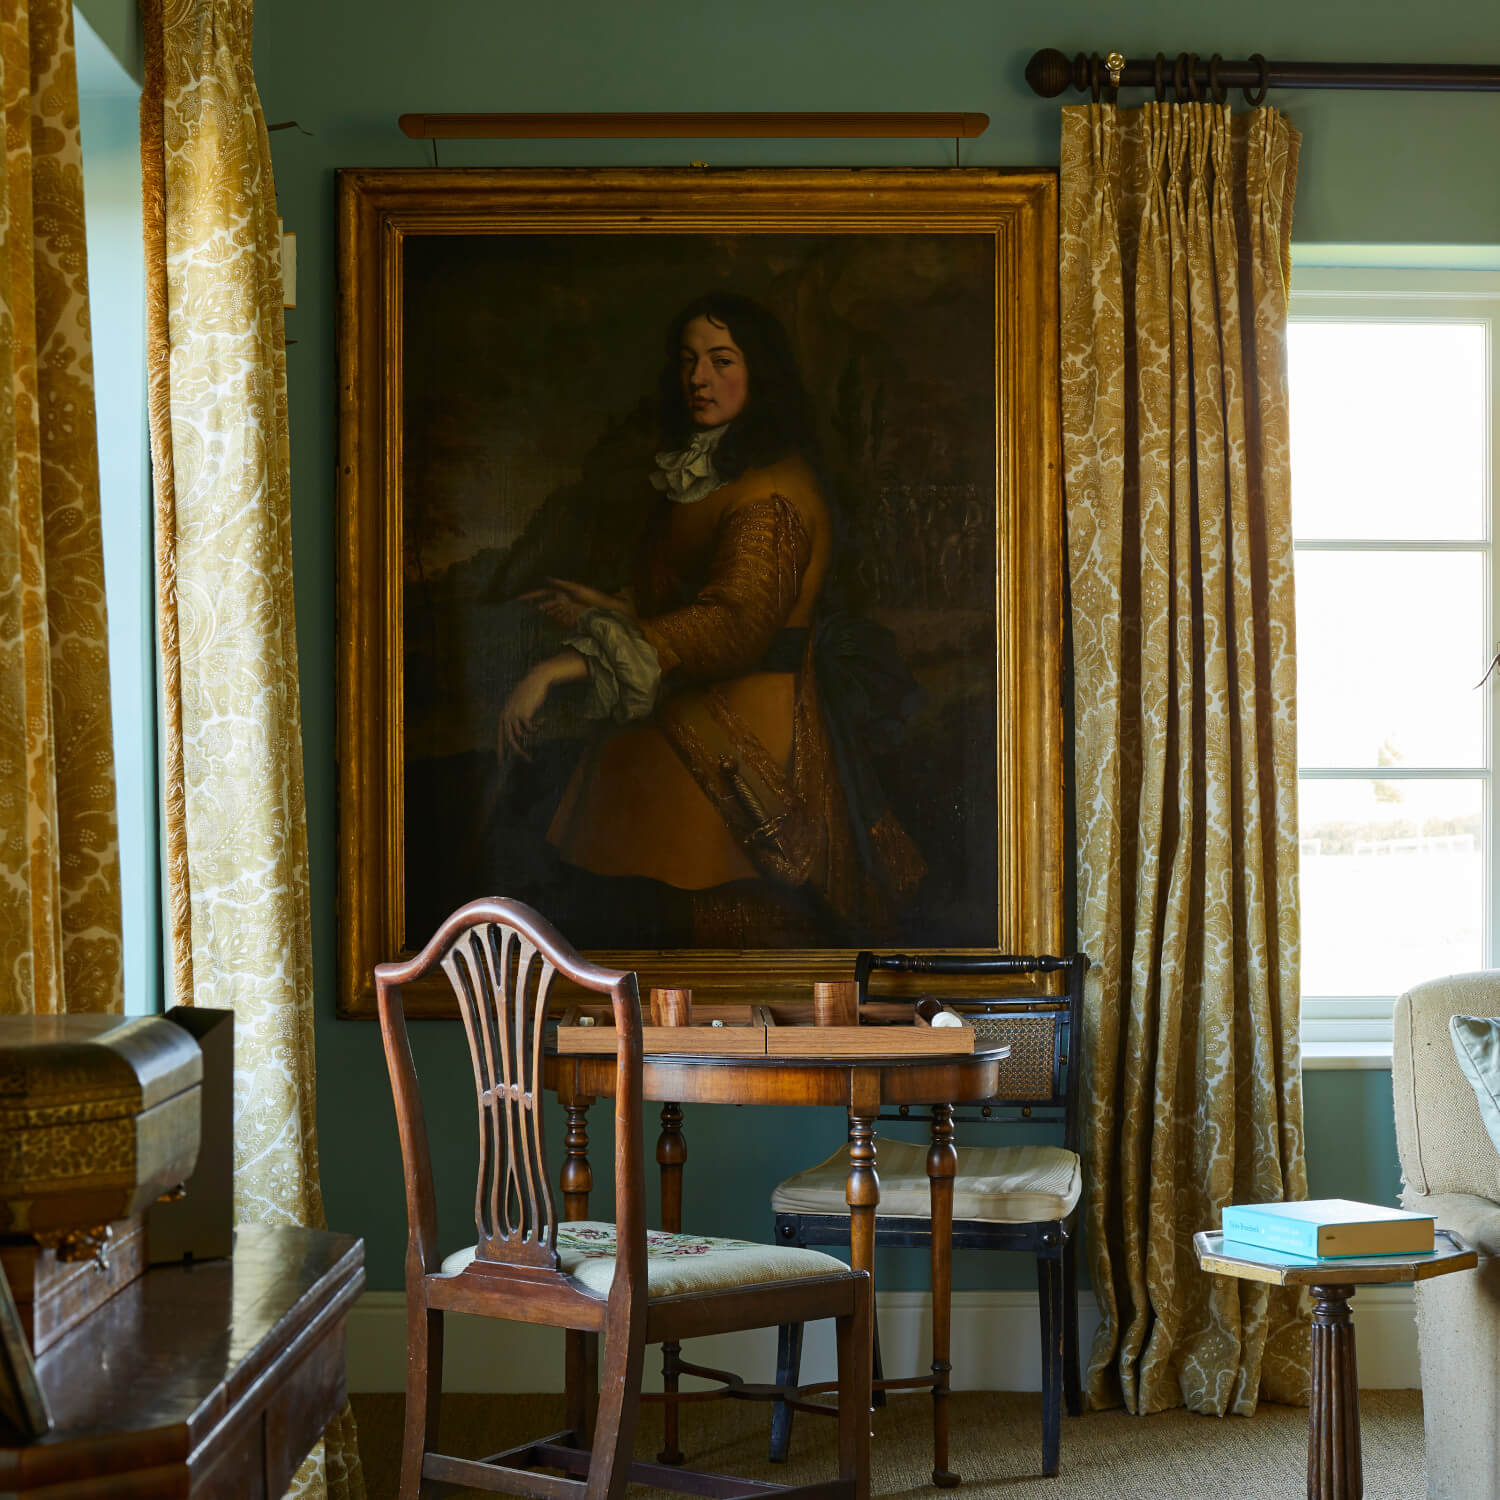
x=1175, y=225
x=60, y=944
x=236, y=828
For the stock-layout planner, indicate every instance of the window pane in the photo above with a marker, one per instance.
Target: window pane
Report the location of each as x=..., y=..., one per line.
x=1389, y=647
x=1388, y=429
x=1392, y=884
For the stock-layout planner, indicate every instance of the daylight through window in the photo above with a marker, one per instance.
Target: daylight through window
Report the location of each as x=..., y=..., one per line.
x=1392, y=412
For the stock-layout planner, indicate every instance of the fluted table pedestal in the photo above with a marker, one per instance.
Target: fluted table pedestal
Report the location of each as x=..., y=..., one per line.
x=1334, y=1467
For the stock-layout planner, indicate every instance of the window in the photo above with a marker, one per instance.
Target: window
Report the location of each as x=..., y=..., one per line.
x=1393, y=409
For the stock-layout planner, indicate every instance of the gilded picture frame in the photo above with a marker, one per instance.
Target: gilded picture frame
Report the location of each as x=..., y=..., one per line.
x=506, y=367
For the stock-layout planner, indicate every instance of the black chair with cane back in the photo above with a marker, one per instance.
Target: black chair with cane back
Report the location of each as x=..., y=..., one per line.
x=616, y=1279
x=1015, y=1197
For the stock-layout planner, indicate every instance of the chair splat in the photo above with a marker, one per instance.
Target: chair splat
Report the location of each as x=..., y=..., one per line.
x=502, y=985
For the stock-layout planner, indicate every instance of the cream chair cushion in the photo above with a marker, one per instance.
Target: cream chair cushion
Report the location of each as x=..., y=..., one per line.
x=675, y=1263
x=1000, y=1184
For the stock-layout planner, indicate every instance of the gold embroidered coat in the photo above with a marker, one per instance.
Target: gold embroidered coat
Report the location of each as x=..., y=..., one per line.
x=731, y=778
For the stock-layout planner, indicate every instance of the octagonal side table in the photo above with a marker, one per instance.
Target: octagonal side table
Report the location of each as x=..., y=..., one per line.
x=1334, y=1471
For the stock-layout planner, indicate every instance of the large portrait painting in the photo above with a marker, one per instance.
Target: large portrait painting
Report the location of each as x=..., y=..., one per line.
x=700, y=565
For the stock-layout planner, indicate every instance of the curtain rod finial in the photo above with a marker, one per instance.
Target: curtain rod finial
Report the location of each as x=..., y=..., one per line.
x=1049, y=72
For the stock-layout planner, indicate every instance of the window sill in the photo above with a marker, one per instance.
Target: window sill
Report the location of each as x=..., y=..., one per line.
x=1330, y=1055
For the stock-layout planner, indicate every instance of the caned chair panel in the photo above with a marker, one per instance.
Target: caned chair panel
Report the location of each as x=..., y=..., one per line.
x=1030, y=1070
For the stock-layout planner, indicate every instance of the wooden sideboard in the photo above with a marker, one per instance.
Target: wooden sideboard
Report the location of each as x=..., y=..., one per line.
x=210, y=1380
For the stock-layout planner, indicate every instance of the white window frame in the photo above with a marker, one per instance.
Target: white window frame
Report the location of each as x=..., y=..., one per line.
x=1355, y=1031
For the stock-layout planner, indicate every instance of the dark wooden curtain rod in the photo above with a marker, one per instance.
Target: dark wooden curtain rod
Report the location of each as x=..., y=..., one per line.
x=693, y=127
x=1189, y=76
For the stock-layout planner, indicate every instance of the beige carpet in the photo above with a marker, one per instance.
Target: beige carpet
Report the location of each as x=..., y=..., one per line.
x=997, y=1447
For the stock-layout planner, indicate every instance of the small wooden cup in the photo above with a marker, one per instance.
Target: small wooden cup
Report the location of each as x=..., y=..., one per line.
x=671, y=1007
x=836, y=1003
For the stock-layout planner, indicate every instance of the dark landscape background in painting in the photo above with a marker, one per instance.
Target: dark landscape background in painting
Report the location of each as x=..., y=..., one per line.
x=530, y=368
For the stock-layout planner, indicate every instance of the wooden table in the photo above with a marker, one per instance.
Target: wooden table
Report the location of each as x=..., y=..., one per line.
x=863, y=1086
x=1334, y=1467
x=212, y=1380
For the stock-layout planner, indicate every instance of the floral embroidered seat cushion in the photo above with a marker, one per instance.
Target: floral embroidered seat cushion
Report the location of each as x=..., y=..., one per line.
x=675, y=1263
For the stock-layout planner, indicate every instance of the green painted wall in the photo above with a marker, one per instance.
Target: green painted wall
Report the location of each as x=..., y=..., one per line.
x=1351, y=1135
x=117, y=23
x=1374, y=168
x=109, y=110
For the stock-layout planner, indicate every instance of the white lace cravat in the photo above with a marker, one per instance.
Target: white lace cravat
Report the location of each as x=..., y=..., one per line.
x=689, y=475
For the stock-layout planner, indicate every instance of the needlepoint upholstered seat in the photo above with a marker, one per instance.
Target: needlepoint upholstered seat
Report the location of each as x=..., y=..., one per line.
x=585, y=1278
x=675, y=1263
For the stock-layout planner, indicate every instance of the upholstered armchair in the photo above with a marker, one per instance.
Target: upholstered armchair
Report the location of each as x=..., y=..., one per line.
x=1450, y=1168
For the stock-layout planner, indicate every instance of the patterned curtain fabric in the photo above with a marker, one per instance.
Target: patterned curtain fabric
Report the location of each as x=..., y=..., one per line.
x=1175, y=225
x=236, y=821
x=60, y=947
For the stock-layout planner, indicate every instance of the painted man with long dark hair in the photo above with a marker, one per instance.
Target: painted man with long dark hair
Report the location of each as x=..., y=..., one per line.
x=718, y=777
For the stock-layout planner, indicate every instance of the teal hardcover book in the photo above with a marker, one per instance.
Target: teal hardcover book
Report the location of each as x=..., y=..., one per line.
x=1323, y=1227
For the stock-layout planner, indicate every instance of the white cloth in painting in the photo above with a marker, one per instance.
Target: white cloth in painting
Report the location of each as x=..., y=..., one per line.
x=624, y=669
x=689, y=475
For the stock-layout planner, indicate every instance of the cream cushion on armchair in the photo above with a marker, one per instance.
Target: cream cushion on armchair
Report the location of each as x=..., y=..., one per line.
x=999, y=1184
x=1451, y=1170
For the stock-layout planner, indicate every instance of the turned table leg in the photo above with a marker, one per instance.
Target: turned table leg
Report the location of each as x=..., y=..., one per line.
x=581, y=1350
x=862, y=1192
x=942, y=1164
x=1334, y=1470
x=671, y=1155
x=577, y=1175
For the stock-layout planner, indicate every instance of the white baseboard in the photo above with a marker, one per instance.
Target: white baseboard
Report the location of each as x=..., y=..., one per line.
x=1385, y=1334
x=995, y=1344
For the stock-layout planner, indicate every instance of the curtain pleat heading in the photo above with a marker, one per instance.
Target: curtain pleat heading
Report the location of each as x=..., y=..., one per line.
x=60, y=940
x=1175, y=238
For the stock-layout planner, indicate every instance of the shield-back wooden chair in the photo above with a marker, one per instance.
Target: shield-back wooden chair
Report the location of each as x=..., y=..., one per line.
x=1019, y=1197
x=586, y=1278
